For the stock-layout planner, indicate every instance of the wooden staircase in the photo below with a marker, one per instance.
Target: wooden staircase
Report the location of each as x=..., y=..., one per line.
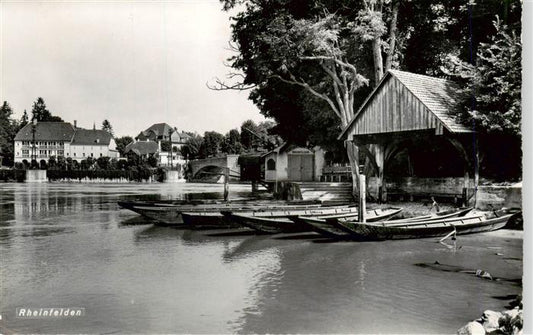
x=328, y=192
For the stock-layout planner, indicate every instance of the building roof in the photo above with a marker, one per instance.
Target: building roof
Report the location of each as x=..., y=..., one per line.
x=142, y=147
x=91, y=137
x=438, y=95
x=179, y=137
x=46, y=131
x=160, y=129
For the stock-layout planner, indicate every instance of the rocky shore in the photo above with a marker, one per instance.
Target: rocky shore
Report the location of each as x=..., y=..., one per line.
x=492, y=322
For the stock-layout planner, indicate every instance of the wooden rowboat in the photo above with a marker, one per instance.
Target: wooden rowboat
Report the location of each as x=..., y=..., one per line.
x=216, y=219
x=282, y=222
x=172, y=215
x=421, y=229
x=329, y=229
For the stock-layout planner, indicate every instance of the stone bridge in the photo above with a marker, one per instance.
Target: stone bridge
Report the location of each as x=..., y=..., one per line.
x=229, y=161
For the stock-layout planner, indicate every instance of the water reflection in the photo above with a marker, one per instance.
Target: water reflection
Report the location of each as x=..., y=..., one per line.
x=70, y=245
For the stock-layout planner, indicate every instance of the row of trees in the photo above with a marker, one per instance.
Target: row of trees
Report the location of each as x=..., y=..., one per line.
x=89, y=163
x=310, y=64
x=252, y=137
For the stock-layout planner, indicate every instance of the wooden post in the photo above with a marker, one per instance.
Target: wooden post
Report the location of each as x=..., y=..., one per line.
x=254, y=186
x=362, y=195
x=226, y=184
x=380, y=162
x=466, y=186
x=476, y=170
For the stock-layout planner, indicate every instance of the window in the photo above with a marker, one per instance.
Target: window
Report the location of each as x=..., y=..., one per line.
x=271, y=164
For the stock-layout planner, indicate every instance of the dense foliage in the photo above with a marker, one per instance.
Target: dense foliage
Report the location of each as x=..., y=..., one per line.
x=310, y=64
x=106, y=125
x=8, y=130
x=41, y=113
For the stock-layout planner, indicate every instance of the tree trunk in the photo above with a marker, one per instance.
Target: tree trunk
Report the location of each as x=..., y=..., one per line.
x=353, y=156
x=378, y=60
x=392, y=34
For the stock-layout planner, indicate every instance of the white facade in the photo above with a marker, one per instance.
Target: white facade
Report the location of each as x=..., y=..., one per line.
x=42, y=140
x=42, y=150
x=46, y=149
x=288, y=164
x=79, y=152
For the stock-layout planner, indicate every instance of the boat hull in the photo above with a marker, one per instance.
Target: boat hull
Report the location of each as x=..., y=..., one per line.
x=329, y=227
x=207, y=220
x=461, y=226
x=288, y=223
x=170, y=215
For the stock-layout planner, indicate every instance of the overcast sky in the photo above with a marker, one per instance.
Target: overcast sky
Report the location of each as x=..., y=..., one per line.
x=133, y=63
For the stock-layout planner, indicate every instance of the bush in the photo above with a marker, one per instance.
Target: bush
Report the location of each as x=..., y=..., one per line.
x=161, y=175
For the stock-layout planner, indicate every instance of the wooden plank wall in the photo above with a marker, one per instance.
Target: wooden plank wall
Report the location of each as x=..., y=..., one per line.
x=394, y=108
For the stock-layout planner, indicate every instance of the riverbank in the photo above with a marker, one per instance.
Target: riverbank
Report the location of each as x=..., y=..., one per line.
x=509, y=321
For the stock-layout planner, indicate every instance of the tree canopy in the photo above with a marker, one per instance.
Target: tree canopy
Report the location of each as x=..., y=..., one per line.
x=8, y=130
x=301, y=59
x=106, y=125
x=41, y=113
x=310, y=64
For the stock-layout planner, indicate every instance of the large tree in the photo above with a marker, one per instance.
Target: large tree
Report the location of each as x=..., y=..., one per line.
x=106, y=125
x=232, y=142
x=212, y=144
x=41, y=113
x=491, y=100
x=191, y=149
x=8, y=130
x=122, y=142
x=312, y=63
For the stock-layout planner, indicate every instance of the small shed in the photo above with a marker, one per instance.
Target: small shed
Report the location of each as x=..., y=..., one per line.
x=293, y=163
x=407, y=108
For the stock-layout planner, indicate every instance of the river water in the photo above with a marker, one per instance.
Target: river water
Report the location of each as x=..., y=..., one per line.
x=69, y=245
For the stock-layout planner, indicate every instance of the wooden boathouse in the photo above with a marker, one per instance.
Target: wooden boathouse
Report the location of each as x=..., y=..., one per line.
x=405, y=110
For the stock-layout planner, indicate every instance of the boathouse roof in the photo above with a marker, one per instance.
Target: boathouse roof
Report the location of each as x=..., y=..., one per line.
x=405, y=101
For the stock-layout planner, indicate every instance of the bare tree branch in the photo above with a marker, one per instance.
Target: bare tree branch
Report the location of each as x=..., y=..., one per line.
x=220, y=85
x=308, y=87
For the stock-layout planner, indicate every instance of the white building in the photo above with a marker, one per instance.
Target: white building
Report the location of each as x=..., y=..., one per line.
x=93, y=143
x=46, y=139
x=293, y=163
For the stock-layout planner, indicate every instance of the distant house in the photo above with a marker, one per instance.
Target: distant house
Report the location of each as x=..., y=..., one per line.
x=163, y=132
x=61, y=139
x=152, y=139
x=142, y=148
x=293, y=163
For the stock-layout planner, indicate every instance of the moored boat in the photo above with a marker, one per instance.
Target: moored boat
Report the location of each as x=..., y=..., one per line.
x=327, y=227
x=420, y=229
x=171, y=215
x=283, y=222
